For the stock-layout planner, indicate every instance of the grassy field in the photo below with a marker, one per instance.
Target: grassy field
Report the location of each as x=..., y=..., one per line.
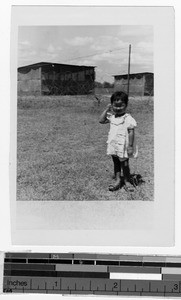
x=62, y=149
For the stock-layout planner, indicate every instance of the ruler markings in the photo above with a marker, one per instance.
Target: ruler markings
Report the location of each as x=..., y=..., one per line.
x=19, y=290
x=101, y=291
x=169, y=285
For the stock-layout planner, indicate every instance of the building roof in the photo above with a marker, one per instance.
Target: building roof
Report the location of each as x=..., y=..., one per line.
x=41, y=64
x=133, y=74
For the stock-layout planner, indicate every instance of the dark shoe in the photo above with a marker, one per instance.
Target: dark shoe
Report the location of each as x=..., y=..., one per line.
x=128, y=187
x=113, y=187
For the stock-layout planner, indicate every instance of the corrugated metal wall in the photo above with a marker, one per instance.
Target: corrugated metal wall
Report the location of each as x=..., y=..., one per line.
x=149, y=85
x=29, y=81
x=59, y=81
x=136, y=86
x=140, y=84
x=55, y=80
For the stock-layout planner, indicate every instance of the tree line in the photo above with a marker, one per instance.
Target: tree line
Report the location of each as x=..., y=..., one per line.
x=104, y=84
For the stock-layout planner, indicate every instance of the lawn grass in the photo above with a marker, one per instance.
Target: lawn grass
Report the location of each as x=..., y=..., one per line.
x=62, y=149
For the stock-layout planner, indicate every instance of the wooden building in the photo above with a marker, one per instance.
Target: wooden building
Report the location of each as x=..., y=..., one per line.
x=55, y=79
x=140, y=84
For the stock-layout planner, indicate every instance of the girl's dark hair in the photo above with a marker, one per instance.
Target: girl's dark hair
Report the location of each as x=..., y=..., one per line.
x=120, y=95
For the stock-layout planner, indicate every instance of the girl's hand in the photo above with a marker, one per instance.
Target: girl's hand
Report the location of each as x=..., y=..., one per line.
x=109, y=107
x=130, y=150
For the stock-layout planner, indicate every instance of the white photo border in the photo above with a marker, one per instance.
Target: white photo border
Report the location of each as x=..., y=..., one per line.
x=159, y=229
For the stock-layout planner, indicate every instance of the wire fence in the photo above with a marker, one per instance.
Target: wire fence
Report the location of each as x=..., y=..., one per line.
x=79, y=78
x=72, y=84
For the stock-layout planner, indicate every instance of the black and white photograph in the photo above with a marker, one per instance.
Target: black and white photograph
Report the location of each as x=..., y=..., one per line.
x=89, y=124
x=71, y=81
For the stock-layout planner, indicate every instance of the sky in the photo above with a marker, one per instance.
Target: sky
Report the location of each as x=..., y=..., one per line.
x=105, y=47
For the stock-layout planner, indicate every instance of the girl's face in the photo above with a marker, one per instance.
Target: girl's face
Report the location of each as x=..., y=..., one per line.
x=119, y=107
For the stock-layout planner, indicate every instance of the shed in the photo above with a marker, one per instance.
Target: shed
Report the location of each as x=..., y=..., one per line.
x=46, y=78
x=141, y=84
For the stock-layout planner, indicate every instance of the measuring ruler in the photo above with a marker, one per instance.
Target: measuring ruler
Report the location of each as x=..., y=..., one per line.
x=99, y=274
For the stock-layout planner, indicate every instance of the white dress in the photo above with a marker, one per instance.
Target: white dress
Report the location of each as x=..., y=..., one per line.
x=118, y=138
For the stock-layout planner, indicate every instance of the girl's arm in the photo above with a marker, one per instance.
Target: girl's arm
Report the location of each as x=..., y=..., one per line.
x=103, y=118
x=131, y=141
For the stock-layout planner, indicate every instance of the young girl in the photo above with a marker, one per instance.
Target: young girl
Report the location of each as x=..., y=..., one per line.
x=121, y=138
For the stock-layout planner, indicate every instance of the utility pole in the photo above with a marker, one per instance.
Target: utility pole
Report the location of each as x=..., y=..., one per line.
x=129, y=59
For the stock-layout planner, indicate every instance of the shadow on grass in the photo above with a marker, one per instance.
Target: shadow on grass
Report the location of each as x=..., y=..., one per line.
x=136, y=193
x=135, y=179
